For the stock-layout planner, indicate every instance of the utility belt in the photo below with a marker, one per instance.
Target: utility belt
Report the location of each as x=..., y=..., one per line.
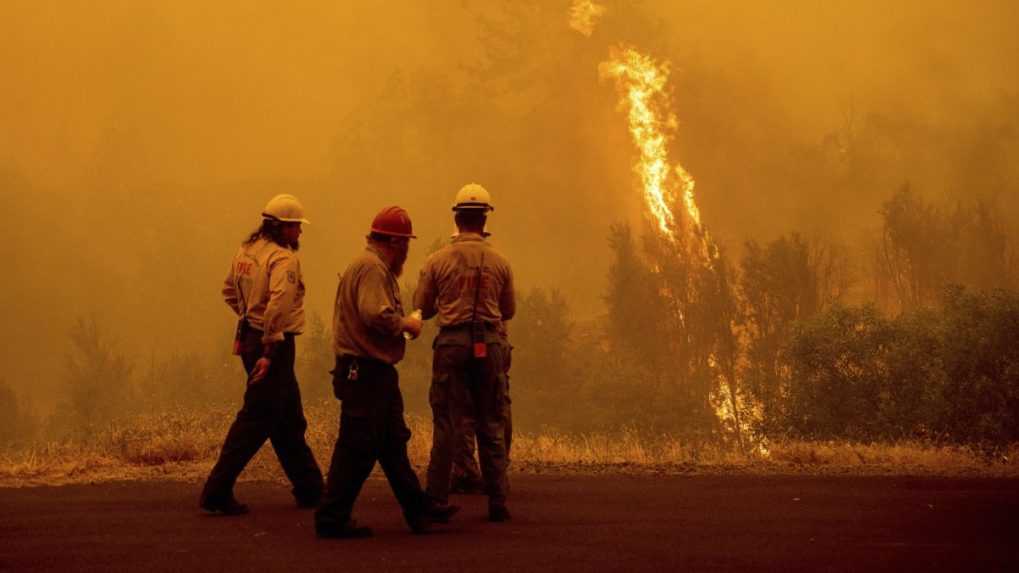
x=468, y=325
x=476, y=335
x=246, y=336
x=349, y=366
x=364, y=384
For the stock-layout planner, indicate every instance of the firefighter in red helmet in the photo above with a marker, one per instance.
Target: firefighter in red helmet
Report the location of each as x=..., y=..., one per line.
x=368, y=339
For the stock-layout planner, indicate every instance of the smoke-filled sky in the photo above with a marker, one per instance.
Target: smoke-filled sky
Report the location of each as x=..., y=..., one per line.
x=139, y=140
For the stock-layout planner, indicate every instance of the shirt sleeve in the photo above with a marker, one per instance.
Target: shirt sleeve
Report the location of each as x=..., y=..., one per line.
x=424, y=294
x=284, y=276
x=376, y=304
x=508, y=297
x=230, y=295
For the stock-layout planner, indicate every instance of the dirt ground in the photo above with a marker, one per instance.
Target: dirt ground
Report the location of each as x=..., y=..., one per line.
x=561, y=523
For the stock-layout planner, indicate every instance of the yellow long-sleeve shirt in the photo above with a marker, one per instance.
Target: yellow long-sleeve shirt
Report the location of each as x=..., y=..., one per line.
x=367, y=317
x=266, y=287
x=448, y=285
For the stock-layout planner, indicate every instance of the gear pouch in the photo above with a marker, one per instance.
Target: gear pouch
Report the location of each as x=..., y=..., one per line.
x=478, y=344
x=242, y=326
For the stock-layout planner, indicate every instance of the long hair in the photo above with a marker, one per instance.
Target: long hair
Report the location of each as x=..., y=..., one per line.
x=271, y=229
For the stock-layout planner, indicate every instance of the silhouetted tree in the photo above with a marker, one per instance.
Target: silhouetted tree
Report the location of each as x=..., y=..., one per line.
x=672, y=310
x=635, y=308
x=97, y=381
x=543, y=379
x=785, y=281
x=189, y=380
x=925, y=248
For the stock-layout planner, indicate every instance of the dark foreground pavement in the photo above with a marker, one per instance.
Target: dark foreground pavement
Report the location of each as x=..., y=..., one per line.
x=561, y=523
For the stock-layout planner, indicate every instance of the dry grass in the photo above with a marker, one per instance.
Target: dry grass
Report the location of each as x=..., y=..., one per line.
x=183, y=445
x=912, y=457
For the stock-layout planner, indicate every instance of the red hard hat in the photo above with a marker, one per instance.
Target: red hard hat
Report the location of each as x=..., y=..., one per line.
x=393, y=221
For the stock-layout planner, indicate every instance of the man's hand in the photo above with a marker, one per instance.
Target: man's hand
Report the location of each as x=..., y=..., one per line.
x=260, y=370
x=412, y=325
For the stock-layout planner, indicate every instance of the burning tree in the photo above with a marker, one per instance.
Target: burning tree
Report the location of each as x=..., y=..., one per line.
x=684, y=281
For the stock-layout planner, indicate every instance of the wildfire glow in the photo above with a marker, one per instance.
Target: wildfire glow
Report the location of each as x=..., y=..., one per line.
x=584, y=14
x=642, y=84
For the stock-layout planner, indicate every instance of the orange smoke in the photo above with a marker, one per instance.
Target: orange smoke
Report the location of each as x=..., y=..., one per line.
x=584, y=14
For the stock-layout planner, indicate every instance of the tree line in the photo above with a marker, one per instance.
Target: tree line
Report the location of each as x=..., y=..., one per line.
x=779, y=344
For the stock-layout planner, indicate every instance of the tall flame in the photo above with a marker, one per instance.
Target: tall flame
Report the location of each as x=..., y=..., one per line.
x=642, y=84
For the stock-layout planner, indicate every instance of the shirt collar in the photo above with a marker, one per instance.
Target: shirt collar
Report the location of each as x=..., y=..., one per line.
x=458, y=237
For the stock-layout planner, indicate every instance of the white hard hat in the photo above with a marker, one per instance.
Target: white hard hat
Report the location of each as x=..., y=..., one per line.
x=473, y=196
x=285, y=208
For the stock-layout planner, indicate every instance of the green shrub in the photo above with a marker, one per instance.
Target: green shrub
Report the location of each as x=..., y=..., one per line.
x=950, y=374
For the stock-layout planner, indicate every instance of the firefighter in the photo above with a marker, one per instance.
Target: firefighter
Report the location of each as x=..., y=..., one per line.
x=468, y=286
x=368, y=339
x=265, y=289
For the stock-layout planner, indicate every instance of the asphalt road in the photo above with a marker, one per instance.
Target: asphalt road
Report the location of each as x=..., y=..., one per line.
x=561, y=523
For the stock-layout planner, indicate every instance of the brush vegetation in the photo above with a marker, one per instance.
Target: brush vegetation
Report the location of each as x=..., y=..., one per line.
x=772, y=362
x=183, y=445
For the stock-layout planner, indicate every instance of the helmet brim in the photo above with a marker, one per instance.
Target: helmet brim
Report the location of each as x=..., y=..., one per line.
x=473, y=207
x=285, y=220
x=391, y=234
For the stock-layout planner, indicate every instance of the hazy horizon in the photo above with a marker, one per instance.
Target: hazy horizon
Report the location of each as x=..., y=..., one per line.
x=139, y=141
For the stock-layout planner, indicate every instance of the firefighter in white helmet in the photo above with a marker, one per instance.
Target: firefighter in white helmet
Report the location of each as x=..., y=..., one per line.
x=466, y=475
x=468, y=286
x=265, y=289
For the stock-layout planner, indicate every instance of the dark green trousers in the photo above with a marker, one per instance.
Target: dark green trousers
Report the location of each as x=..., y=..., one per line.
x=465, y=464
x=464, y=387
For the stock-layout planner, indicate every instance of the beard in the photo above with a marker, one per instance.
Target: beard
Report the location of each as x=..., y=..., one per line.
x=398, y=265
x=283, y=242
x=398, y=262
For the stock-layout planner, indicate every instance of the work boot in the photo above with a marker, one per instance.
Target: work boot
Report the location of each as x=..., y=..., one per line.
x=419, y=524
x=348, y=530
x=229, y=507
x=497, y=512
x=431, y=514
x=440, y=512
x=467, y=485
